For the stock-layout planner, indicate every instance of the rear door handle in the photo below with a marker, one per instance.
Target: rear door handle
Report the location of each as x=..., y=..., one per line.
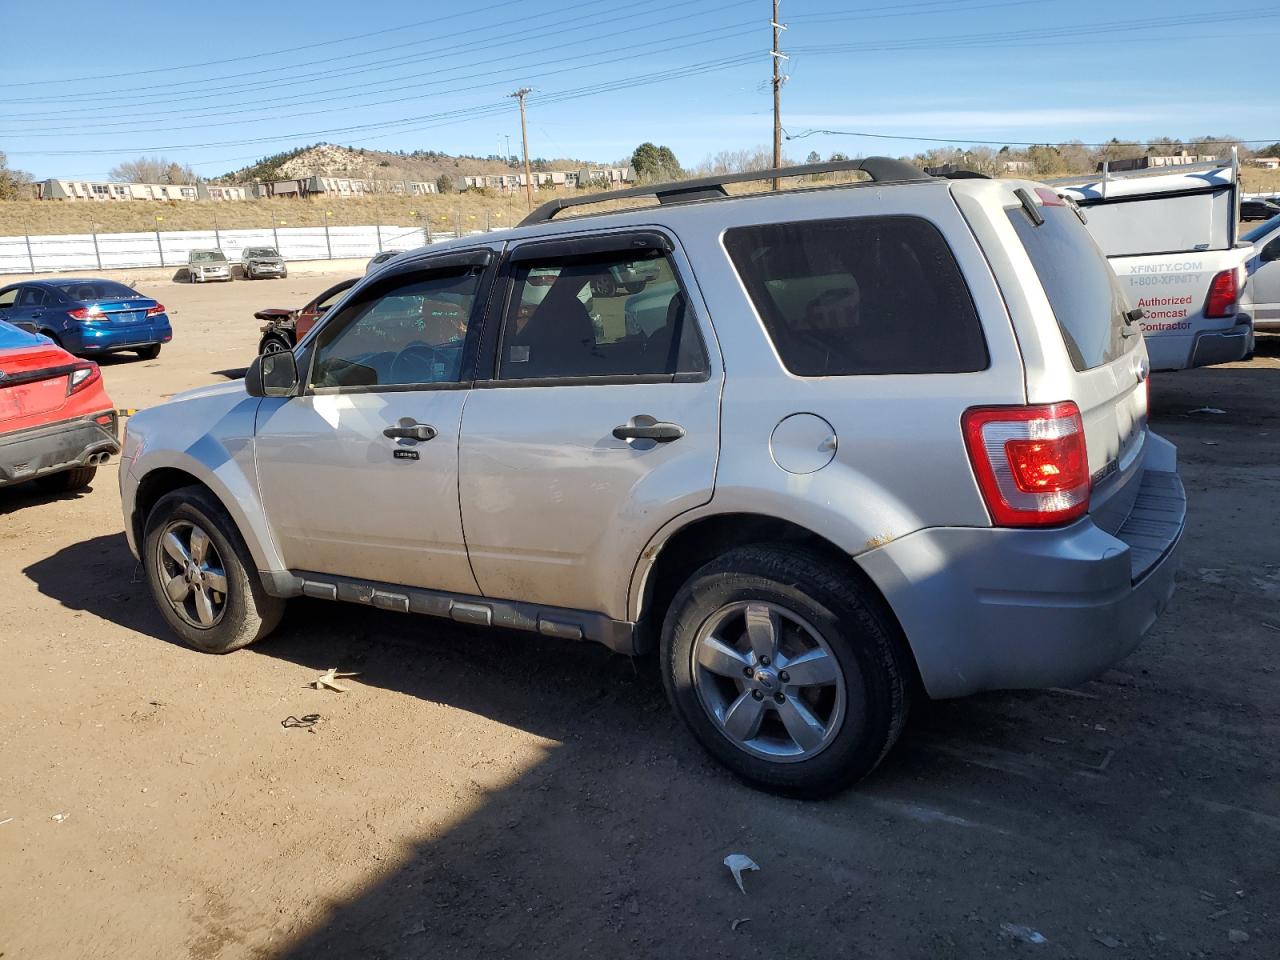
x=411, y=431
x=638, y=429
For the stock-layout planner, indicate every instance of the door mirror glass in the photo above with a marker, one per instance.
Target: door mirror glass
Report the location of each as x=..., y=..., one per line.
x=1271, y=251
x=272, y=375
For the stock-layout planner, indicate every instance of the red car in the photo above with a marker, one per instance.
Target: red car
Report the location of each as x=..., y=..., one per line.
x=285, y=328
x=56, y=421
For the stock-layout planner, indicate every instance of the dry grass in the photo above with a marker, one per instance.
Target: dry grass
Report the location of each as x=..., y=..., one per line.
x=476, y=211
x=56, y=217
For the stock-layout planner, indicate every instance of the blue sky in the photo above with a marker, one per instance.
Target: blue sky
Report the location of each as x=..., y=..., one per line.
x=692, y=74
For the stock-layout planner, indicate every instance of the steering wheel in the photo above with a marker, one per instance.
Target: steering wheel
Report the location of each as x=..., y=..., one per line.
x=407, y=366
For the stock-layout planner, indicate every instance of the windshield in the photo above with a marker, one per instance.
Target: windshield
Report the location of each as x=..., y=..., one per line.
x=253, y=252
x=207, y=256
x=96, y=290
x=1260, y=231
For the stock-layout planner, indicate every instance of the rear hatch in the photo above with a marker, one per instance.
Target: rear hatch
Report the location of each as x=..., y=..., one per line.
x=1108, y=363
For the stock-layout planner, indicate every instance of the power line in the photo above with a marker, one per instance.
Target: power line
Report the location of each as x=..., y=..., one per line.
x=1006, y=143
x=726, y=33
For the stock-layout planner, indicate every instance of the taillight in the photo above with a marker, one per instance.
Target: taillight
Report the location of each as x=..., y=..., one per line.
x=157, y=309
x=87, y=313
x=83, y=376
x=1223, y=294
x=1030, y=462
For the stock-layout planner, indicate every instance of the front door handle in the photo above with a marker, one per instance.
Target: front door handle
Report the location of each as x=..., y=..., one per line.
x=411, y=431
x=646, y=428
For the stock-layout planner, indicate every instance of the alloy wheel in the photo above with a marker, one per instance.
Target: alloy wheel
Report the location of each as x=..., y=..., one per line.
x=192, y=575
x=768, y=681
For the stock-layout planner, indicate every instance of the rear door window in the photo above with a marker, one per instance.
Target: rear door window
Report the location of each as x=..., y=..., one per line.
x=860, y=296
x=1080, y=284
x=31, y=297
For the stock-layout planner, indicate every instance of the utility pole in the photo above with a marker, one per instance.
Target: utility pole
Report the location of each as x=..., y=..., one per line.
x=524, y=136
x=778, y=56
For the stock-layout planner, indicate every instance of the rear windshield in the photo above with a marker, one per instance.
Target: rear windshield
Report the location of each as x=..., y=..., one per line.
x=1167, y=223
x=867, y=295
x=96, y=290
x=1079, y=283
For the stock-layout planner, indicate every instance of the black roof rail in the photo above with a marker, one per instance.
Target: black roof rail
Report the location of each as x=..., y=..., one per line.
x=879, y=169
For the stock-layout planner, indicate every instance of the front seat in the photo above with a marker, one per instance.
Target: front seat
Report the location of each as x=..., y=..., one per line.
x=558, y=340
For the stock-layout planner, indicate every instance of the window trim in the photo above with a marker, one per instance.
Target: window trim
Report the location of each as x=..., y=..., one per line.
x=420, y=270
x=10, y=306
x=764, y=326
x=494, y=326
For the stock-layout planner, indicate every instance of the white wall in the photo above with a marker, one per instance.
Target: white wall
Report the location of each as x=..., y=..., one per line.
x=75, y=252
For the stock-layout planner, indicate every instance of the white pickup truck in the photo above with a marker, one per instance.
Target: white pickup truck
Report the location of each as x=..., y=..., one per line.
x=1171, y=239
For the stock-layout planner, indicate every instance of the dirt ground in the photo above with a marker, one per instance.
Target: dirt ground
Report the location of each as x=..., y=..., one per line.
x=486, y=794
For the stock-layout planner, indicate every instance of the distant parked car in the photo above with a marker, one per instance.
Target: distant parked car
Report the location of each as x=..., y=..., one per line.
x=631, y=277
x=88, y=316
x=284, y=328
x=56, y=421
x=1258, y=210
x=381, y=258
x=259, y=262
x=206, y=265
x=1262, y=292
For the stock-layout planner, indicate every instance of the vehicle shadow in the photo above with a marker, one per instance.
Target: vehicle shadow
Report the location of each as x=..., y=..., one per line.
x=234, y=373
x=23, y=495
x=100, y=576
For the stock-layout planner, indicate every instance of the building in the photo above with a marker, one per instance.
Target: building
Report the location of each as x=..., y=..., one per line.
x=549, y=179
x=1151, y=162
x=1267, y=163
x=109, y=190
x=340, y=187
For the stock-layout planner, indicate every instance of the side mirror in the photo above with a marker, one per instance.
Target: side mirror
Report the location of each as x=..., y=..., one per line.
x=272, y=375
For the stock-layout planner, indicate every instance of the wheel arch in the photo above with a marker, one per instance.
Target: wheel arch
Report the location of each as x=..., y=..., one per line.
x=662, y=569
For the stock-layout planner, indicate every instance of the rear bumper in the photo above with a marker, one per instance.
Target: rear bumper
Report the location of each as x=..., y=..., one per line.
x=35, y=452
x=1201, y=349
x=103, y=338
x=996, y=609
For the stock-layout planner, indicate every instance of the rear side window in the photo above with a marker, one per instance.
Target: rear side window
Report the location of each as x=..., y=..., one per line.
x=871, y=295
x=31, y=297
x=1080, y=285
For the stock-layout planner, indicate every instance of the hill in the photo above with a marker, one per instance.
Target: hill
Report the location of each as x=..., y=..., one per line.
x=326, y=159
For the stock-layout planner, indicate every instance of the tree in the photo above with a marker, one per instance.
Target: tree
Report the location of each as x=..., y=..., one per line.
x=652, y=163
x=153, y=170
x=13, y=183
x=813, y=157
x=444, y=183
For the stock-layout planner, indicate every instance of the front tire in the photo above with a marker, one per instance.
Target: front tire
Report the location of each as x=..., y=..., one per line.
x=274, y=344
x=636, y=287
x=604, y=286
x=201, y=574
x=785, y=669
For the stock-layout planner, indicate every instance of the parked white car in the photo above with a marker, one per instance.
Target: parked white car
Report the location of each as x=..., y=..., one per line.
x=1263, y=291
x=206, y=265
x=1171, y=239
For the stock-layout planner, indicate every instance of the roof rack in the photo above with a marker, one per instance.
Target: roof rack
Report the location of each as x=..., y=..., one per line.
x=879, y=169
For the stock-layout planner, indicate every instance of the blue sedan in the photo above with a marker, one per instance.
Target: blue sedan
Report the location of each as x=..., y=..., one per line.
x=88, y=317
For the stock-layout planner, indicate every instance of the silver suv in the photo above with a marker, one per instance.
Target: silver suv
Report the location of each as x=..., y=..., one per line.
x=889, y=440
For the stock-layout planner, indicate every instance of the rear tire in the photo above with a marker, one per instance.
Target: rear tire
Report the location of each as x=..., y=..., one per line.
x=636, y=287
x=149, y=353
x=847, y=700
x=273, y=344
x=67, y=481
x=190, y=522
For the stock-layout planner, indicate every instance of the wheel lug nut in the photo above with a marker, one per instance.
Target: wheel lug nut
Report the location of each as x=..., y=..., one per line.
x=784, y=677
x=747, y=672
x=757, y=694
x=778, y=698
x=764, y=661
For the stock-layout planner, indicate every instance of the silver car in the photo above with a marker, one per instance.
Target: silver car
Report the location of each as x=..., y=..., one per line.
x=206, y=265
x=856, y=444
x=259, y=262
